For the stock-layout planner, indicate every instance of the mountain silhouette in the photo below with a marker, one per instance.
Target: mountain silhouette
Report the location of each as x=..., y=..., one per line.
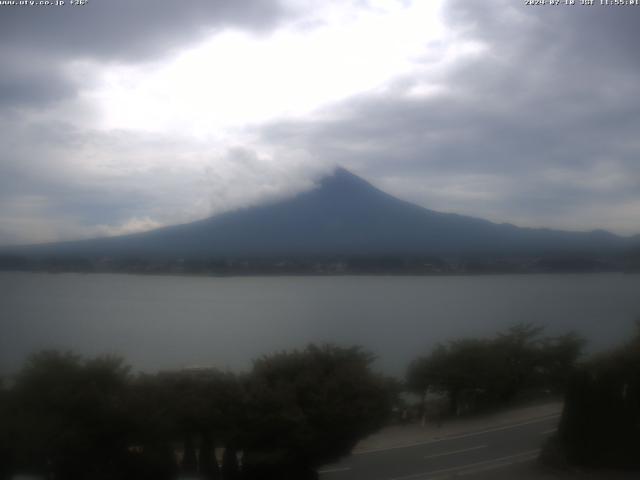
x=343, y=215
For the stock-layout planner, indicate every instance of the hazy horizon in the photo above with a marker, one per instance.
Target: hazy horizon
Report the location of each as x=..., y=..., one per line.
x=291, y=196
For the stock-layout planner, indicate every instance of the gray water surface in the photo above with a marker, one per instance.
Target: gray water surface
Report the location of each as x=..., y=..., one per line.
x=159, y=322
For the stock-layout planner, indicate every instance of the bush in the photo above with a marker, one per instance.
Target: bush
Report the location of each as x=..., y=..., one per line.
x=600, y=424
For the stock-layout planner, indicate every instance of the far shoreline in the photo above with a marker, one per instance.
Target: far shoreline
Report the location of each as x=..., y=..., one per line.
x=321, y=275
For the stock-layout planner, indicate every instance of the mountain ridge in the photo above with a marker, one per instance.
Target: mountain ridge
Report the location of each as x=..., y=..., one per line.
x=343, y=215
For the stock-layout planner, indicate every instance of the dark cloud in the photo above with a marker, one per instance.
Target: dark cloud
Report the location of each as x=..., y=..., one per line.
x=539, y=128
x=32, y=81
x=126, y=30
x=37, y=41
x=592, y=36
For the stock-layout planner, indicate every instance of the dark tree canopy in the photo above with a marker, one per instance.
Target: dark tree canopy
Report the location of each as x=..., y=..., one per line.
x=69, y=415
x=476, y=373
x=600, y=424
x=89, y=419
x=310, y=407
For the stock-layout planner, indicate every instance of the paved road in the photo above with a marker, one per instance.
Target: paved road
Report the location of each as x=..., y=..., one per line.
x=470, y=454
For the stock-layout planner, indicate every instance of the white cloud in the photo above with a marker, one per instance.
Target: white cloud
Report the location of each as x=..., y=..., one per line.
x=235, y=79
x=133, y=225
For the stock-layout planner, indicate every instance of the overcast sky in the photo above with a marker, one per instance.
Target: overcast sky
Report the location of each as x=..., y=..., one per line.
x=123, y=115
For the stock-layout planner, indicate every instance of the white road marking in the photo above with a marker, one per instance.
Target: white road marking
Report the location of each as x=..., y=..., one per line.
x=520, y=458
x=456, y=437
x=474, y=467
x=453, y=452
x=333, y=470
x=547, y=432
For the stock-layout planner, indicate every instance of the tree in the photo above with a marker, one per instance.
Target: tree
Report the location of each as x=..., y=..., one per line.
x=207, y=460
x=307, y=408
x=193, y=408
x=230, y=467
x=600, y=424
x=558, y=359
x=476, y=373
x=464, y=370
x=6, y=434
x=71, y=415
x=518, y=352
x=419, y=380
x=153, y=428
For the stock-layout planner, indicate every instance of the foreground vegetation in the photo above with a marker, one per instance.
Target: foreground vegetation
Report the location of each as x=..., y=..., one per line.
x=69, y=418
x=600, y=424
x=475, y=374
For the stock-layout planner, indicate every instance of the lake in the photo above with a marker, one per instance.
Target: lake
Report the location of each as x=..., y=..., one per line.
x=161, y=322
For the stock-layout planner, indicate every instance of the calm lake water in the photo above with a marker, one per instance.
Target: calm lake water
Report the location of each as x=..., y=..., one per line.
x=159, y=322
